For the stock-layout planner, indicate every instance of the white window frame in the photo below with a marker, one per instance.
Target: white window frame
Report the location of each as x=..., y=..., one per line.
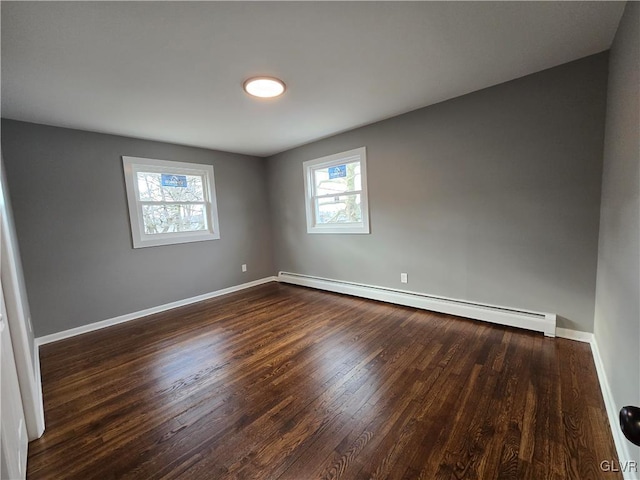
x=133, y=165
x=355, y=155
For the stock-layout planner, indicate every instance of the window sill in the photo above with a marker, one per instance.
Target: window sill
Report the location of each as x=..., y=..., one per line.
x=157, y=240
x=337, y=229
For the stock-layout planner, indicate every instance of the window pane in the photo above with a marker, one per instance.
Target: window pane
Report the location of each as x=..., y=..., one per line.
x=151, y=188
x=173, y=218
x=339, y=209
x=338, y=178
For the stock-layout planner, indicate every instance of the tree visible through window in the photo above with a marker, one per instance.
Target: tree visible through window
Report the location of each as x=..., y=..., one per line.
x=339, y=198
x=174, y=206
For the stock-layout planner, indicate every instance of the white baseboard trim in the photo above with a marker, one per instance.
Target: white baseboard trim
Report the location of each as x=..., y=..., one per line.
x=54, y=337
x=576, y=335
x=622, y=444
x=537, y=321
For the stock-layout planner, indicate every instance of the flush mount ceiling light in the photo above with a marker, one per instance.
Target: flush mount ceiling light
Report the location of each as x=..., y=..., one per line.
x=264, y=87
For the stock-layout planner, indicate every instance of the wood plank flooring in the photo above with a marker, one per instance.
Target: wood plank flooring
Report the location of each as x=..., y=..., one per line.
x=284, y=382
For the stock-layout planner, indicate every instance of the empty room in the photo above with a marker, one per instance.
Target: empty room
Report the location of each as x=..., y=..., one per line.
x=313, y=240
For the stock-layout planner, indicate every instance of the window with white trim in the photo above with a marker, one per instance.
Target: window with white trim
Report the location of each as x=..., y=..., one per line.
x=336, y=193
x=170, y=202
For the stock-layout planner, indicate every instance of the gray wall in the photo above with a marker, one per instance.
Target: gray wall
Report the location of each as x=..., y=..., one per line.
x=491, y=197
x=617, y=313
x=70, y=207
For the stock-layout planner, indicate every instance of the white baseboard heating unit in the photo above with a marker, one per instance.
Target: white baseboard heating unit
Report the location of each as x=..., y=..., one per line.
x=529, y=320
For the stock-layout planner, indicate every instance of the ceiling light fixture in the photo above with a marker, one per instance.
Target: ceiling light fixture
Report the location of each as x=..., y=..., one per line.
x=264, y=87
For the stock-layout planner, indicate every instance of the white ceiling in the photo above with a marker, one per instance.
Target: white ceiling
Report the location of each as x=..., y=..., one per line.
x=173, y=71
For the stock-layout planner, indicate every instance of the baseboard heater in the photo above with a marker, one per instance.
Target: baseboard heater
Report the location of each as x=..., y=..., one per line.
x=536, y=321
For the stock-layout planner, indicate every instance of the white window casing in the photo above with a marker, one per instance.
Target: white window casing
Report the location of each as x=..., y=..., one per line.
x=334, y=205
x=145, y=206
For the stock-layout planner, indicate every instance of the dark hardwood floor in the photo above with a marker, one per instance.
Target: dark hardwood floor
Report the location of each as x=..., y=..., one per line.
x=283, y=382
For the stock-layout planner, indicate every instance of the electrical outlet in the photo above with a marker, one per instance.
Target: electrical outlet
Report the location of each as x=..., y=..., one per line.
x=403, y=278
x=244, y=267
